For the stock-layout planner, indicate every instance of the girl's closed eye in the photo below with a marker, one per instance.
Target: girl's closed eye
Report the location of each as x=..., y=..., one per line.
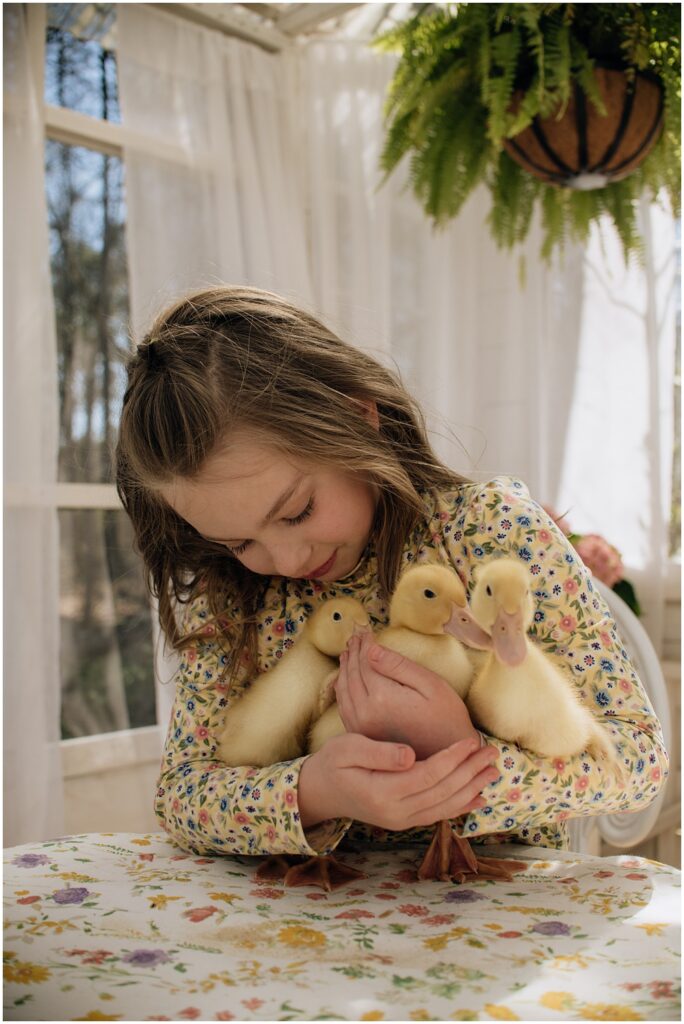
x=304, y=514
x=238, y=550
x=290, y=522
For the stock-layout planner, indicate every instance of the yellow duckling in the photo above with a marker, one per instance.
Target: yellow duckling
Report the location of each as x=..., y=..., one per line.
x=519, y=694
x=270, y=721
x=428, y=619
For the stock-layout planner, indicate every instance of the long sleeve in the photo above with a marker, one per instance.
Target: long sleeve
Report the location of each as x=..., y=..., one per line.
x=207, y=807
x=573, y=626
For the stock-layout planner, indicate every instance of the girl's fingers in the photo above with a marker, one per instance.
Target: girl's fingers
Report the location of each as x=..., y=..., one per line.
x=357, y=687
x=453, y=798
x=358, y=751
x=449, y=771
x=345, y=703
x=401, y=669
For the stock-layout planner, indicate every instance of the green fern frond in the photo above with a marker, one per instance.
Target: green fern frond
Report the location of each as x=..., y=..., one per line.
x=583, y=208
x=505, y=51
x=619, y=202
x=583, y=69
x=484, y=62
x=457, y=85
x=523, y=115
x=513, y=195
x=554, y=203
x=446, y=170
x=557, y=61
x=398, y=141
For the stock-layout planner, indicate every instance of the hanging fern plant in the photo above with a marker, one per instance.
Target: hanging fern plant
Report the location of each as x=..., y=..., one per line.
x=476, y=81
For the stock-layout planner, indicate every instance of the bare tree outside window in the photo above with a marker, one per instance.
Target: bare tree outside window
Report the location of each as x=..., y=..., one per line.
x=106, y=628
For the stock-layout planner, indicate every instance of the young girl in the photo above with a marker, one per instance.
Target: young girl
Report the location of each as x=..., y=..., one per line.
x=268, y=466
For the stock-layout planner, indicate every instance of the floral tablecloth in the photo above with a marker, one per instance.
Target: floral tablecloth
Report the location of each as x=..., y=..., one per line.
x=128, y=927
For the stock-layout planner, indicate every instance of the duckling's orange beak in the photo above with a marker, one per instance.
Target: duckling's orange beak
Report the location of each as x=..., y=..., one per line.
x=509, y=638
x=463, y=626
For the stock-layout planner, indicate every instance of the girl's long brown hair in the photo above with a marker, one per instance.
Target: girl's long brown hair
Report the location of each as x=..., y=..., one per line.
x=236, y=358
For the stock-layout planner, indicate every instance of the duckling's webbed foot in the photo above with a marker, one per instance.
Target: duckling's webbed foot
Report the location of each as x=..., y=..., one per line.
x=448, y=857
x=451, y=859
x=275, y=867
x=326, y=872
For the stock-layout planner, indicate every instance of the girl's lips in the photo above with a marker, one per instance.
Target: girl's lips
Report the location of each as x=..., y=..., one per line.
x=322, y=569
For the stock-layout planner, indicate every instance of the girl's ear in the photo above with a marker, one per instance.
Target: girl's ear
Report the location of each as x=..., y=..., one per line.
x=370, y=411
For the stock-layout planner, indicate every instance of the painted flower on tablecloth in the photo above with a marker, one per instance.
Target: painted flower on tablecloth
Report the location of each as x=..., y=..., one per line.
x=91, y=956
x=24, y=973
x=661, y=989
x=551, y=928
x=299, y=935
x=268, y=894
x=464, y=896
x=146, y=957
x=608, y=1011
x=199, y=914
x=498, y=1012
x=30, y=860
x=71, y=896
x=414, y=910
x=99, y=1015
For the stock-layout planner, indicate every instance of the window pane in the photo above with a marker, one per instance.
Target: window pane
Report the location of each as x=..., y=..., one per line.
x=106, y=626
x=86, y=209
x=80, y=65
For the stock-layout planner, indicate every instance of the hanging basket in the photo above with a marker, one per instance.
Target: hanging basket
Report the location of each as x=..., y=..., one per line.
x=584, y=149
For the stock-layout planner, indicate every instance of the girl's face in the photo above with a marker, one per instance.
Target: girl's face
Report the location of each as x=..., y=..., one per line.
x=278, y=516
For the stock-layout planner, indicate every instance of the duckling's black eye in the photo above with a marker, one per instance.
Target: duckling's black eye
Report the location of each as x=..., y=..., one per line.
x=489, y=591
x=337, y=616
x=429, y=593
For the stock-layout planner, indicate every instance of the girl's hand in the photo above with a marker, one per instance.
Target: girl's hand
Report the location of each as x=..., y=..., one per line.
x=388, y=697
x=382, y=783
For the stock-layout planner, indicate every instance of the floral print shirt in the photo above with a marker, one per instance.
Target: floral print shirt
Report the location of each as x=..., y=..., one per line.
x=208, y=807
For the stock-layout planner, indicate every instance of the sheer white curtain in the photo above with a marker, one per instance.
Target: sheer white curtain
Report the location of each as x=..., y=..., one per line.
x=33, y=806
x=210, y=185
x=280, y=189
x=617, y=458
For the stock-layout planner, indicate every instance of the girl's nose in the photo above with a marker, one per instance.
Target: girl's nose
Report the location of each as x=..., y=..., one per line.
x=291, y=561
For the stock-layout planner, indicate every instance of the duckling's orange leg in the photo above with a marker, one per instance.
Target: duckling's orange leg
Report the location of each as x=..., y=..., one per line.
x=326, y=872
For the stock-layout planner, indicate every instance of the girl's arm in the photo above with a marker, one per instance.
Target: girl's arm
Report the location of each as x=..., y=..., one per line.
x=207, y=807
x=574, y=627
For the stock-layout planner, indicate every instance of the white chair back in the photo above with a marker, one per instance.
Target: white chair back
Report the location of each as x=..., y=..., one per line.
x=630, y=828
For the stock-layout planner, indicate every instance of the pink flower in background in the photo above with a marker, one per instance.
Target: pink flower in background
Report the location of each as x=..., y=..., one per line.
x=601, y=558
